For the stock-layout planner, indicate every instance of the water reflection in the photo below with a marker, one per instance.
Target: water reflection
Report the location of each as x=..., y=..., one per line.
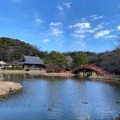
x=1, y=77
x=61, y=98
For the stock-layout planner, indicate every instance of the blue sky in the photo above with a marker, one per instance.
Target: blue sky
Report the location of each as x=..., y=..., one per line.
x=62, y=25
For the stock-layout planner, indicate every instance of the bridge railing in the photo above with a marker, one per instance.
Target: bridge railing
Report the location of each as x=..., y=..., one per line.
x=100, y=70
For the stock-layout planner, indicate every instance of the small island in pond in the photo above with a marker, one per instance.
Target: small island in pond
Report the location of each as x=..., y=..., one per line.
x=7, y=88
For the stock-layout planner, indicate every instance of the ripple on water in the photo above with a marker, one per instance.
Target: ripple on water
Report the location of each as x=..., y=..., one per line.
x=60, y=99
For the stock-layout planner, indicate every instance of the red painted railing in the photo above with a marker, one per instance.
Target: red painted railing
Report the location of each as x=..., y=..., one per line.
x=97, y=69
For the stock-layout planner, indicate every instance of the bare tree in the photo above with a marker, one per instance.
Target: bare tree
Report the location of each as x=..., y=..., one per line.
x=69, y=62
x=117, y=42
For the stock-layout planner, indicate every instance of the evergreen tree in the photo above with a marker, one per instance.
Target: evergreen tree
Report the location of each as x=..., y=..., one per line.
x=56, y=58
x=79, y=59
x=14, y=50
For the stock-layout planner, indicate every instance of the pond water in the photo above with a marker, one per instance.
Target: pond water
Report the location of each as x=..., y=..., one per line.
x=54, y=98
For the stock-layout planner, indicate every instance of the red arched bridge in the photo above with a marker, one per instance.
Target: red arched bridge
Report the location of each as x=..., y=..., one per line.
x=94, y=68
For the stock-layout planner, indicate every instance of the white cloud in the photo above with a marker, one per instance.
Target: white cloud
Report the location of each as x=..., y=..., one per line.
x=118, y=27
x=78, y=35
x=83, y=25
x=63, y=9
x=110, y=36
x=95, y=29
x=60, y=7
x=83, y=19
x=63, y=6
x=55, y=23
x=80, y=29
x=102, y=33
x=95, y=17
x=67, y=5
x=46, y=40
x=38, y=20
x=56, y=32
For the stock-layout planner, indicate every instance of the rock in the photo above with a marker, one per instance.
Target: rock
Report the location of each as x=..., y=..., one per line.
x=7, y=88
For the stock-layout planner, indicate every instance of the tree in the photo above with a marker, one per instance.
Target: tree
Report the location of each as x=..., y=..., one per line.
x=56, y=58
x=69, y=62
x=14, y=50
x=117, y=42
x=79, y=59
x=110, y=61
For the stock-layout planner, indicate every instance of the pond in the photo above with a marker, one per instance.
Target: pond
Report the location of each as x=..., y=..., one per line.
x=55, y=98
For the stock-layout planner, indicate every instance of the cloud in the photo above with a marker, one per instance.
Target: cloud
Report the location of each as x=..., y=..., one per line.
x=118, y=27
x=110, y=36
x=63, y=6
x=60, y=7
x=95, y=17
x=102, y=33
x=67, y=5
x=95, y=29
x=83, y=19
x=80, y=29
x=55, y=23
x=56, y=32
x=78, y=35
x=83, y=25
x=46, y=40
x=63, y=10
x=38, y=20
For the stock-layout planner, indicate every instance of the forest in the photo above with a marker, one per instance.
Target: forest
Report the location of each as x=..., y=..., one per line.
x=13, y=50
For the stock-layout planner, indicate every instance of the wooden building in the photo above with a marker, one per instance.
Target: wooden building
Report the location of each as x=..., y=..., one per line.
x=32, y=62
x=2, y=64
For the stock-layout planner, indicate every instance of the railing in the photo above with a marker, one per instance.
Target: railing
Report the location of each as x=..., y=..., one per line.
x=100, y=70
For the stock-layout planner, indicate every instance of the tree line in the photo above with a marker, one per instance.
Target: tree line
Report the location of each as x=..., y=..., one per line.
x=13, y=51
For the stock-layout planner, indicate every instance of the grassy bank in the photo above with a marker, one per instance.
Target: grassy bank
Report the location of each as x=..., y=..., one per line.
x=106, y=77
x=35, y=72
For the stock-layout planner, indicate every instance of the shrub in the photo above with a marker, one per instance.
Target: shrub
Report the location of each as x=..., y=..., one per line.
x=13, y=68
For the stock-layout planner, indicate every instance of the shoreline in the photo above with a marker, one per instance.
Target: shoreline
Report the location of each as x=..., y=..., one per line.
x=114, y=78
x=35, y=72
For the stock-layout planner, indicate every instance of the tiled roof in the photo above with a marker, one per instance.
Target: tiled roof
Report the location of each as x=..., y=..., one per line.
x=32, y=60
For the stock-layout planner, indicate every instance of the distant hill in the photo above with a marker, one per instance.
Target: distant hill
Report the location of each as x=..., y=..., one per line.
x=14, y=50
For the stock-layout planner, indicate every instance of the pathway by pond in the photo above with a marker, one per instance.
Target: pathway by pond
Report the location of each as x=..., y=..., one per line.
x=48, y=98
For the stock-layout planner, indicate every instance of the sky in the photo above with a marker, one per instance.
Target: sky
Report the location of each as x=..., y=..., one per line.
x=62, y=25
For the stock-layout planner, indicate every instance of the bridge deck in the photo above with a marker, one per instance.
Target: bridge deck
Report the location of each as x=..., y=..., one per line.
x=99, y=70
